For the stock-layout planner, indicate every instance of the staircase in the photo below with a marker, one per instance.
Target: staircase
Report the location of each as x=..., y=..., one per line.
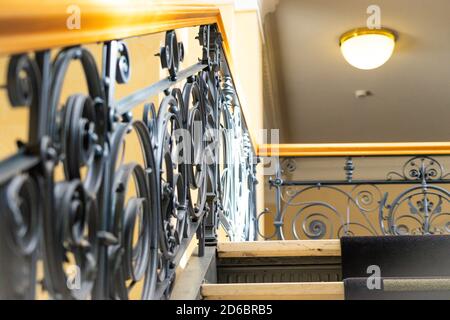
x=304, y=270
x=265, y=270
x=271, y=270
x=279, y=261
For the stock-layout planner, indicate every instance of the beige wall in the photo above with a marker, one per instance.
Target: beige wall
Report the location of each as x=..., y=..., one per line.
x=244, y=32
x=248, y=51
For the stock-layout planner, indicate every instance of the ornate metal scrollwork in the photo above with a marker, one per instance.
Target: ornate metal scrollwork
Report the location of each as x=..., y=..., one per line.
x=194, y=119
x=76, y=134
x=418, y=210
x=331, y=209
x=133, y=256
x=123, y=67
x=173, y=188
x=21, y=196
x=172, y=54
x=75, y=249
x=236, y=190
x=23, y=81
x=420, y=168
x=107, y=224
x=21, y=215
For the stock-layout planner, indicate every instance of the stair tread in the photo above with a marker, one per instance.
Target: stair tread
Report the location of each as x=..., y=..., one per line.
x=291, y=248
x=274, y=291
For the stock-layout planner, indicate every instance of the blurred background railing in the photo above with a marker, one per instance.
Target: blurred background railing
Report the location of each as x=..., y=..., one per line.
x=327, y=198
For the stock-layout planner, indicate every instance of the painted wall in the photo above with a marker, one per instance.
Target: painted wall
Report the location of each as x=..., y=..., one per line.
x=243, y=26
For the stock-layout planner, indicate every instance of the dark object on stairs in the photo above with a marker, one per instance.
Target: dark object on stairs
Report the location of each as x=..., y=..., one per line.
x=396, y=256
x=398, y=289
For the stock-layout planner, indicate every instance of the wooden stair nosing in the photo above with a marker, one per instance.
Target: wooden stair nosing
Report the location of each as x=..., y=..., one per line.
x=300, y=248
x=274, y=291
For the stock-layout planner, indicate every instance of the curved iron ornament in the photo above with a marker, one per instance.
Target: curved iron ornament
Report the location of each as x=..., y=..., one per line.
x=237, y=177
x=421, y=169
x=332, y=209
x=110, y=224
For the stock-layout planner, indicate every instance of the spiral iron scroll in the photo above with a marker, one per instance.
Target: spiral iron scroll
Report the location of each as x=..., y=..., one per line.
x=110, y=226
x=332, y=209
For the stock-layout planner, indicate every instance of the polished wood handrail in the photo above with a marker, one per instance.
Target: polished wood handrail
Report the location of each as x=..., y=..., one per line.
x=29, y=25
x=354, y=149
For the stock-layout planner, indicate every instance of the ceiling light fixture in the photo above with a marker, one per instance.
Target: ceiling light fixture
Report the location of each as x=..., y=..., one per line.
x=366, y=48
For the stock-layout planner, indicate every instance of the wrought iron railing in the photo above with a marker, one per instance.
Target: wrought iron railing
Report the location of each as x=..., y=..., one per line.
x=93, y=238
x=413, y=198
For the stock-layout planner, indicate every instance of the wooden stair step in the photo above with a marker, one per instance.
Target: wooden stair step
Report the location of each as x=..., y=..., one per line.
x=274, y=291
x=267, y=249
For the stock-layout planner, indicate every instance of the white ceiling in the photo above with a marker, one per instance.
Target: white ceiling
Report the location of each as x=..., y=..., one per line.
x=411, y=93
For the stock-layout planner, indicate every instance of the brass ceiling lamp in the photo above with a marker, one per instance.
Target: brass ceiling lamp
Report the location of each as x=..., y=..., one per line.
x=367, y=49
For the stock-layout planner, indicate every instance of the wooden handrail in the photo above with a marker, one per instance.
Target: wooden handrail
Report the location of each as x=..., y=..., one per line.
x=29, y=25
x=354, y=149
